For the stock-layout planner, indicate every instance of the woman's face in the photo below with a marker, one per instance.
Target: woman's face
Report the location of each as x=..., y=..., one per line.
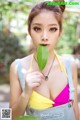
x=45, y=30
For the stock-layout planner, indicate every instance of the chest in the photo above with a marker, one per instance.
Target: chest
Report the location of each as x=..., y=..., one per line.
x=54, y=85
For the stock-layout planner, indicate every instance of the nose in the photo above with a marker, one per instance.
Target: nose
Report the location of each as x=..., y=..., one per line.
x=44, y=37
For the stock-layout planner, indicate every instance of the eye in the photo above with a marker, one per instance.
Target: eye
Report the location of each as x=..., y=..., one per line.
x=54, y=29
x=37, y=29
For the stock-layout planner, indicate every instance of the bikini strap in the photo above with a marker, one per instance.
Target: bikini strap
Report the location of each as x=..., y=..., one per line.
x=62, y=68
x=69, y=72
x=20, y=74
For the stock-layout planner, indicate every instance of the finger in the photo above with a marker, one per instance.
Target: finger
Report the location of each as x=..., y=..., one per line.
x=35, y=85
x=37, y=73
x=34, y=77
x=35, y=81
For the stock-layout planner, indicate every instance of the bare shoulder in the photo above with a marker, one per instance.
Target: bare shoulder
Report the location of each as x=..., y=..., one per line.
x=64, y=58
x=74, y=72
x=25, y=62
x=73, y=68
x=14, y=67
x=73, y=65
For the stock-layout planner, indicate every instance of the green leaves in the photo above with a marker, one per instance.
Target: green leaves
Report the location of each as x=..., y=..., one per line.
x=42, y=56
x=28, y=117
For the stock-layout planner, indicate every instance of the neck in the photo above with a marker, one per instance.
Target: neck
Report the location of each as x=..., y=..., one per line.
x=51, y=56
x=49, y=65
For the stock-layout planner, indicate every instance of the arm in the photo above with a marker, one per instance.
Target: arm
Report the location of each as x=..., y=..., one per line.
x=18, y=99
x=75, y=82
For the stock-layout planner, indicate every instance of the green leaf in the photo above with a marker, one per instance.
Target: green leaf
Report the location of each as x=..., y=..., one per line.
x=28, y=117
x=42, y=56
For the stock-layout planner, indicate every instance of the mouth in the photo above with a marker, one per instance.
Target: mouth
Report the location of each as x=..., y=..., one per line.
x=44, y=44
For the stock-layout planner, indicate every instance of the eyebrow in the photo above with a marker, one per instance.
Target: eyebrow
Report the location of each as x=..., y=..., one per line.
x=48, y=25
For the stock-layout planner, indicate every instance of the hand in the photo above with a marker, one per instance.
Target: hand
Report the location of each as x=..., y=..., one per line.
x=33, y=79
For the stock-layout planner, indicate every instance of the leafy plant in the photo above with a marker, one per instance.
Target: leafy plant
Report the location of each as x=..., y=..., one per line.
x=42, y=56
x=28, y=117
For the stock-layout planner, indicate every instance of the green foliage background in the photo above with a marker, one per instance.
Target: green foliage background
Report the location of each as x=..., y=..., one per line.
x=12, y=43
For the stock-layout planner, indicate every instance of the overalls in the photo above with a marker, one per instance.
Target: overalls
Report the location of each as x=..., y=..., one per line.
x=62, y=112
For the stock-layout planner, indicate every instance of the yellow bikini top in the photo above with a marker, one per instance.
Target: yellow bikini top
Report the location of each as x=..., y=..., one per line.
x=38, y=101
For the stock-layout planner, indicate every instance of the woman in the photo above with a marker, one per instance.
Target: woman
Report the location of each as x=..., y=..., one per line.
x=54, y=98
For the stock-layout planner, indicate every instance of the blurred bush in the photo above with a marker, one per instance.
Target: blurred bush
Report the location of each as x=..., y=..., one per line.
x=10, y=49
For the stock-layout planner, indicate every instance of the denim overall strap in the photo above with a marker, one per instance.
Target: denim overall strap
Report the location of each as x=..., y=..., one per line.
x=71, y=87
x=62, y=112
x=19, y=69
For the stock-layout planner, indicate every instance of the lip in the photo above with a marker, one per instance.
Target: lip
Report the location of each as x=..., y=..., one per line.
x=45, y=44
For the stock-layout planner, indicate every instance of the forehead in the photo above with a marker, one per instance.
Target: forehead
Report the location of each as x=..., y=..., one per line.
x=45, y=17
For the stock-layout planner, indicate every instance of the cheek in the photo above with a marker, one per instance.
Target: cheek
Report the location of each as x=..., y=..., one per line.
x=34, y=39
x=34, y=36
x=54, y=42
x=55, y=37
